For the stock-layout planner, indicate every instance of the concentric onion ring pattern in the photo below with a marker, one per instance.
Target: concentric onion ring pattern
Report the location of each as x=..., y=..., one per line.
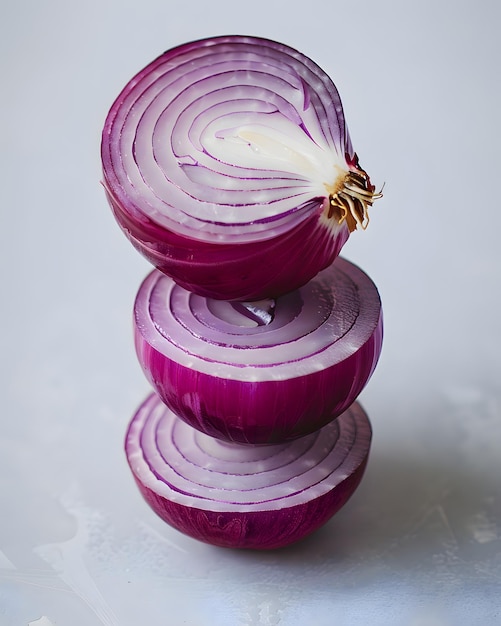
x=245, y=496
x=230, y=138
x=260, y=377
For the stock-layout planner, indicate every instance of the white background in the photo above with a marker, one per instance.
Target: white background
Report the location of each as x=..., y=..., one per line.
x=420, y=542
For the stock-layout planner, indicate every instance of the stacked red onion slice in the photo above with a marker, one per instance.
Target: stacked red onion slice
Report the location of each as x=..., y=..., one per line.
x=228, y=156
x=259, y=497
x=265, y=372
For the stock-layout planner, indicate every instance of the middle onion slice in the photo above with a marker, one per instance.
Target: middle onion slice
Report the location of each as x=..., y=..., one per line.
x=261, y=372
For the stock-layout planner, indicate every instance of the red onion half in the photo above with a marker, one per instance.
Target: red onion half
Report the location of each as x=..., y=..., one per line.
x=237, y=496
x=264, y=372
x=228, y=164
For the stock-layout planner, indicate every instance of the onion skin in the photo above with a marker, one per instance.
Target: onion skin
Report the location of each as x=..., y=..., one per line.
x=244, y=272
x=273, y=243
x=257, y=524
x=261, y=406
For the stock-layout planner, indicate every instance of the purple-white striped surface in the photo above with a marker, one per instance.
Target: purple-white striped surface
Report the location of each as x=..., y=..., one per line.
x=239, y=377
x=240, y=496
x=219, y=159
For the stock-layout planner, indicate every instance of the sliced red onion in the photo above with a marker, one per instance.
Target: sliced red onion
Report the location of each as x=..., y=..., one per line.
x=262, y=372
x=238, y=496
x=228, y=164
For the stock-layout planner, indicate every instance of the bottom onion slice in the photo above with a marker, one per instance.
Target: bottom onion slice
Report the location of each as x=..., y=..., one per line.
x=240, y=496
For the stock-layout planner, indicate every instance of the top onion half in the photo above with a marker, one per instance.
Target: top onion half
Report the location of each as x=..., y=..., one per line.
x=228, y=164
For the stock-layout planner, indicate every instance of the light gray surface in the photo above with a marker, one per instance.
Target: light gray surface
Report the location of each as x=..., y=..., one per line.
x=420, y=542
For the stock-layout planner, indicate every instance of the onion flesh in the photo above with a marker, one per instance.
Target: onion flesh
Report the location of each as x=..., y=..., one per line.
x=265, y=376
x=228, y=164
x=258, y=497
